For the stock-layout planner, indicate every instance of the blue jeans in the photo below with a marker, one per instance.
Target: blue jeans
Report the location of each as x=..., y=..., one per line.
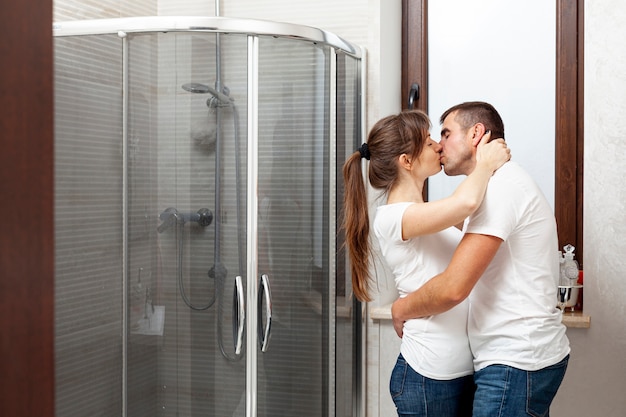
x=504, y=391
x=418, y=396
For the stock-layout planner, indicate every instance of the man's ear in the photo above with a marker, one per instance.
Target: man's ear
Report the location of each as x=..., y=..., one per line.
x=478, y=131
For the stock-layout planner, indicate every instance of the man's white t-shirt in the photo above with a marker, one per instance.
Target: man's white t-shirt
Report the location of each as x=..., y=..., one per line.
x=437, y=346
x=513, y=319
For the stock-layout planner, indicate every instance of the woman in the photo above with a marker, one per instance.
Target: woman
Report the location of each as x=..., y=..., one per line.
x=433, y=373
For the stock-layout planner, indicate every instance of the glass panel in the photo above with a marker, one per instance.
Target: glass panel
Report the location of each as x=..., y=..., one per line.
x=144, y=339
x=187, y=180
x=293, y=225
x=88, y=220
x=348, y=135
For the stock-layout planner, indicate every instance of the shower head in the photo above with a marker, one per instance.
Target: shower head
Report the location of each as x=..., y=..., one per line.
x=221, y=98
x=196, y=88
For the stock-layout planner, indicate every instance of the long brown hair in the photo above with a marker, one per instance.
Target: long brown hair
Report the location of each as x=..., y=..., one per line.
x=390, y=137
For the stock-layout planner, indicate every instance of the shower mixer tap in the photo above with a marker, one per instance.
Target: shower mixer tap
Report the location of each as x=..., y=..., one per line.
x=171, y=216
x=203, y=217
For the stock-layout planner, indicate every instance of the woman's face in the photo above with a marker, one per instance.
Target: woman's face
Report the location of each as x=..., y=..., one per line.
x=429, y=161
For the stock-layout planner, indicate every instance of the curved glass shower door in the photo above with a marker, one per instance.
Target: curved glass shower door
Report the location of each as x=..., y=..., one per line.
x=293, y=235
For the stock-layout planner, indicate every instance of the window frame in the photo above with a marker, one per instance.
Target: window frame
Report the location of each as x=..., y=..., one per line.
x=569, y=104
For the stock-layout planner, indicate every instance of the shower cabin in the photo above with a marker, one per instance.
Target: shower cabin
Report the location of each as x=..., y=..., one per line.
x=199, y=264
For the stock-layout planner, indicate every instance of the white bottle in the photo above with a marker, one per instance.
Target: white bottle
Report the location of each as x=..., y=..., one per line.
x=562, y=280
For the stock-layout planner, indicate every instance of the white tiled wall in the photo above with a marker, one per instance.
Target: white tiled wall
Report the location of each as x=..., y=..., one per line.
x=95, y=9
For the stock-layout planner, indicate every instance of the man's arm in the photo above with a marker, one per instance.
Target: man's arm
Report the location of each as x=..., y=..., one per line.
x=453, y=285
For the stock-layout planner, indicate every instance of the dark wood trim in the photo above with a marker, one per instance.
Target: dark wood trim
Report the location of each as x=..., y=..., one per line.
x=580, y=131
x=415, y=56
x=26, y=189
x=415, y=51
x=568, y=189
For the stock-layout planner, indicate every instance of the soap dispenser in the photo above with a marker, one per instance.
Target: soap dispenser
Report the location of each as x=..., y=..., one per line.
x=569, y=267
x=569, y=289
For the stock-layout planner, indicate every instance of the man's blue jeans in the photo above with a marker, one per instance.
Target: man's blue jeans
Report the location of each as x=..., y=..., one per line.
x=504, y=391
x=418, y=396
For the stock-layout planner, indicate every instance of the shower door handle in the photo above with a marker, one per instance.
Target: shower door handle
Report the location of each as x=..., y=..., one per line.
x=414, y=95
x=264, y=294
x=239, y=315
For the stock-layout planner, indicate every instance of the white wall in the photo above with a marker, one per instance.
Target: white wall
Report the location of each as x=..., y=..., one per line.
x=595, y=381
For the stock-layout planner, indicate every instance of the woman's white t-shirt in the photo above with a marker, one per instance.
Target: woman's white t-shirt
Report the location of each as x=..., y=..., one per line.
x=437, y=346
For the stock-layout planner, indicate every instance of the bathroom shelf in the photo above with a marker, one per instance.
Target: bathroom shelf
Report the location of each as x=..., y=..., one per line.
x=380, y=313
x=575, y=319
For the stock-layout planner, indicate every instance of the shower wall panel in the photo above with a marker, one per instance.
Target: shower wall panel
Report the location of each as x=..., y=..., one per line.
x=293, y=233
x=349, y=121
x=142, y=220
x=88, y=237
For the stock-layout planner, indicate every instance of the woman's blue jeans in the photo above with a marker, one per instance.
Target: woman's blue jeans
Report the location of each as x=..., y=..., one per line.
x=504, y=391
x=418, y=396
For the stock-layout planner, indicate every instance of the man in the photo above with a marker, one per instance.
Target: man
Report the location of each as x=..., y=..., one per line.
x=508, y=266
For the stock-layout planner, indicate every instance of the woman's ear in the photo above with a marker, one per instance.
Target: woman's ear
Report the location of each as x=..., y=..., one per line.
x=404, y=161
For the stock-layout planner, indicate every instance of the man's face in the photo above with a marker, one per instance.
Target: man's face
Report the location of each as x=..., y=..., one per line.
x=457, y=155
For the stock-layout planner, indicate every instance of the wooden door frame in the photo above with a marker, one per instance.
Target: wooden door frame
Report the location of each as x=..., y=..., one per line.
x=569, y=128
x=415, y=57
x=569, y=151
x=27, y=210
x=415, y=51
